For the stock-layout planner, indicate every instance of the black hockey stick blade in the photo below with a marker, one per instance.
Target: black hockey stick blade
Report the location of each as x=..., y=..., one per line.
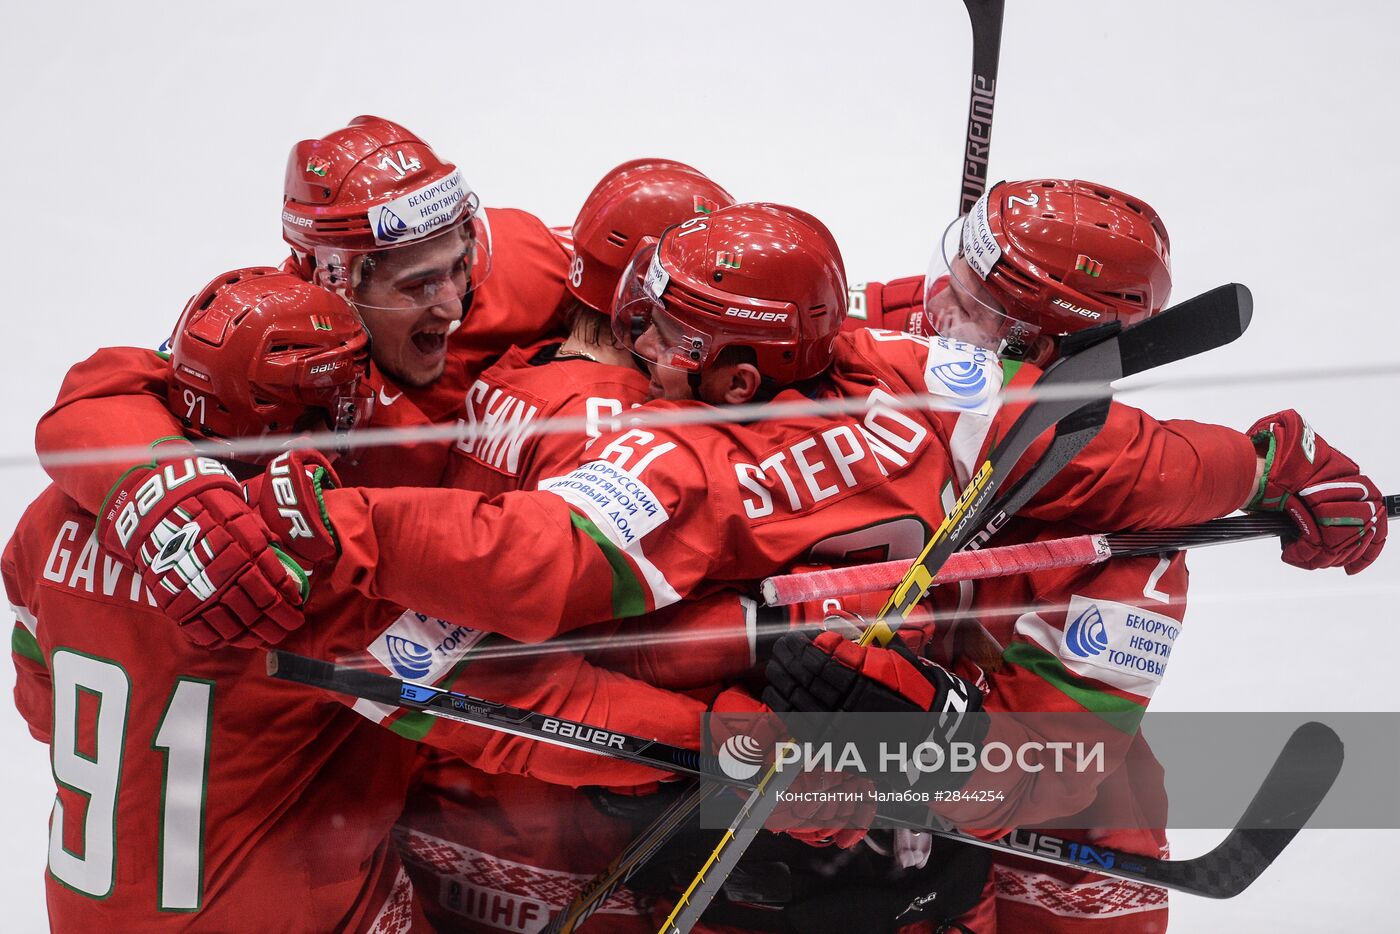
x=1295, y=786
x=1212, y=319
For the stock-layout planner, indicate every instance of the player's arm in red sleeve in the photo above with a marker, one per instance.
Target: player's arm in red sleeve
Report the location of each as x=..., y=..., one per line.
x=689, y=645
x=114, y=399
x=526, y=556
x=33, y=685
x=1136, y=473
x=607, y=540
x=1141, y=473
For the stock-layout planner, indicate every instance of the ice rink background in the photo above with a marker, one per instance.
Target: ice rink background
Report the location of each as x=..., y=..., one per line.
x=144, y=146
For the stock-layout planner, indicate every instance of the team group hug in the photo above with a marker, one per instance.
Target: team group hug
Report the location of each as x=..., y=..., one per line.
x=584, y=537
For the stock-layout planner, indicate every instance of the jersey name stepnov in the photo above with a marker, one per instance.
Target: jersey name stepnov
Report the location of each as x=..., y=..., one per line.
x=89, y=568
x=832, y=460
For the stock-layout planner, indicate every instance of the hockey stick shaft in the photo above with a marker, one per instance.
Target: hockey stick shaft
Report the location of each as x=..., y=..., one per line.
x=1074, y=551
x=986, y=18
x=601, y=887
x=1202, y=323
x=1296, y=784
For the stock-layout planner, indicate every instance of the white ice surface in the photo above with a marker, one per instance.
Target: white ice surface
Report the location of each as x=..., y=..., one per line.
x=144, y=145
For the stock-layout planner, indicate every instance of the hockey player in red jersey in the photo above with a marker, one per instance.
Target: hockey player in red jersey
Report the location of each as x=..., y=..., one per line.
x=190, y=788
x=1033, y=262
x=586, y=375
x=444, y=285
x=1110, y=250
x=372, y=212
x=658, y=513
x=253, y=351
x=487, y=851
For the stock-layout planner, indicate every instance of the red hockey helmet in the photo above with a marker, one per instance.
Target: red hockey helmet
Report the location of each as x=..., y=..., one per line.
x=374, y=188
x=259, y=352
x=762, y=276
x=1047, y=258
x=637, y=199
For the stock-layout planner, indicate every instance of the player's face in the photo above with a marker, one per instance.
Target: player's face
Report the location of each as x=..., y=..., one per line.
x=411, y=299
x=957, y=315
x=667, y=382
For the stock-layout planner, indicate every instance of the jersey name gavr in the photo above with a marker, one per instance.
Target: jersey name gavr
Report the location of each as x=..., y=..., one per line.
x=91, y=570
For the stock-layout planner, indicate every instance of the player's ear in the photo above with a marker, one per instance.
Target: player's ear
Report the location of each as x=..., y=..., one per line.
x=739, y=383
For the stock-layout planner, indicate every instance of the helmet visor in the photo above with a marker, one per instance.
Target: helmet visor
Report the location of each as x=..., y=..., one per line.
x=957, y=303
x=675, y=326
x=425, y=272
x=642, y=323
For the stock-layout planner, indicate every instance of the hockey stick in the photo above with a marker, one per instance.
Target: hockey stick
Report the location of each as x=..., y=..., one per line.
x=617, y=873
x=1074, y=551
x=1294, y=787
x=1070, y=437
x=986, y=17
x=1207, y=321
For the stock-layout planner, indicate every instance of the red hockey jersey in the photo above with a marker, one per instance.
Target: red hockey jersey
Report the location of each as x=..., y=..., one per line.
x=502, y=451
x=191, y=788
x=660, y=513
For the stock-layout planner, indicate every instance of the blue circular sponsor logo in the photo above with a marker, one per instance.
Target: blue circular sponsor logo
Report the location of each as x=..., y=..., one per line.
x=408, y=658
x=1086, y=636
x=389, y=226
x=963, y=378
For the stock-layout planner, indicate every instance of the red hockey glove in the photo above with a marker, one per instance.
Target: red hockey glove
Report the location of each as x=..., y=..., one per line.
x=1339, y=512
x=824, y=808
x=203, y=553
x=288, y=497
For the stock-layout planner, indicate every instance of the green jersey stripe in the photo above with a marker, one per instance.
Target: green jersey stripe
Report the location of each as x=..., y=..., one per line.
x=22, y=642
x=628, y=592
x=1053, y=672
